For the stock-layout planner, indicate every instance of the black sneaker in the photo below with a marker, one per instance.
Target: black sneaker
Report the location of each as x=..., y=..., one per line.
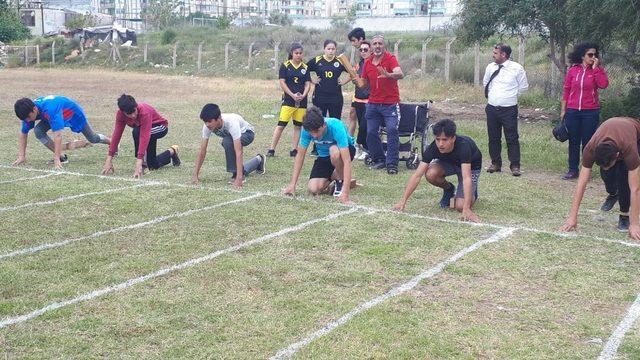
x=293, y=152
x=338, y=189
x=447, y=194
x=175, y=159
x=262, y=168
x=623, y=223
x=378, y=165
x=63, y=159
x=271, y=153
x=609, y=202
x=392, y=169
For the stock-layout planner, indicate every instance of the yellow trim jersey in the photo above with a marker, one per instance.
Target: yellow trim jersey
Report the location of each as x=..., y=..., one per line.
x=329, y=72
x=295, y=77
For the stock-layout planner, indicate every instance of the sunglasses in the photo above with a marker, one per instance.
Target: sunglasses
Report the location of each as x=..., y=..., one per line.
x=590, y=54
x=364, y=49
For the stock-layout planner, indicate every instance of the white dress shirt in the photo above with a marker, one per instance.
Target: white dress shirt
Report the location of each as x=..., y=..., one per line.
x=508, y=85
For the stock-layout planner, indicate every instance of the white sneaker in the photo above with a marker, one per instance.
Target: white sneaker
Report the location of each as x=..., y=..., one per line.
x=363, y=155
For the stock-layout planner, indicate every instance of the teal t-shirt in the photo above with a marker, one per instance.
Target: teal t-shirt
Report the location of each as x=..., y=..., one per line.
x=336, y=134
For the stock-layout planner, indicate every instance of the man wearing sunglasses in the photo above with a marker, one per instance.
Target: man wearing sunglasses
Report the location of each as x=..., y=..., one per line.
x=358, y=105
x=356, y=37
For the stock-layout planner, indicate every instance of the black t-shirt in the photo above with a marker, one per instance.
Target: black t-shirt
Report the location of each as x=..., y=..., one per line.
x=465, y=151
x=329, y=72
x=295, y=78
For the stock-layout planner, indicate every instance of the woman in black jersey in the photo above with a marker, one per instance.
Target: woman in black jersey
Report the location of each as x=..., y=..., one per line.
x=328, y=90
x=295, y=82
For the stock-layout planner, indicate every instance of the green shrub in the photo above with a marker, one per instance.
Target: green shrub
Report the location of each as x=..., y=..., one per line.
x=168, y=37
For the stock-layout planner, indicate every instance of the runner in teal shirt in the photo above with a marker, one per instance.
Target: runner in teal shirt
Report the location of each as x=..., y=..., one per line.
x=335, y=151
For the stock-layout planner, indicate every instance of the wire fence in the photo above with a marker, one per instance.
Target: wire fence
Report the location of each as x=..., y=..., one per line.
x=437, y=58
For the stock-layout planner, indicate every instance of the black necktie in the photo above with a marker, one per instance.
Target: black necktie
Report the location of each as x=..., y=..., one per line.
x=495, y=73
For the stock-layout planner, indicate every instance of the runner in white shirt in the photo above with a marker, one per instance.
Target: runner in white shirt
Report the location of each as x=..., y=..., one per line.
x=236, y=133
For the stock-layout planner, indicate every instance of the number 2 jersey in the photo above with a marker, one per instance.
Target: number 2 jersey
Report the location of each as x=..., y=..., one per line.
x=295, y=77
x=329, y=72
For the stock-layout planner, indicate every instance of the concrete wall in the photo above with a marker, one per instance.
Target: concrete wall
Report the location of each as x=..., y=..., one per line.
x=373, y=24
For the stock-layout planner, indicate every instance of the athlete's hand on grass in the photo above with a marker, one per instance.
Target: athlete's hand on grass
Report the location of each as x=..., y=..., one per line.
x=468, y=215
x=289, y=190
x=137, y=171
x=344, y=198
x=571, y=225
x=57, y=164
x=237, y=183
x=20, y=160
x=399, y=206
x=108, y=168
x=634, y=232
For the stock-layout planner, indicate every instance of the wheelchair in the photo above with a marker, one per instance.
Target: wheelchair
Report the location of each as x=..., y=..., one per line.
x=413, y=128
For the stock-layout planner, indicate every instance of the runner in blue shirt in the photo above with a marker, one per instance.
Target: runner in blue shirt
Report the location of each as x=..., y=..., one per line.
x=335, y=152
x=53, y=113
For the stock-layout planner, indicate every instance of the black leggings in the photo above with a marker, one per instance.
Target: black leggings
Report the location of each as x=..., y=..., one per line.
x=616, y=181
x=361, y=109
x=153, y=161
x=331, y=109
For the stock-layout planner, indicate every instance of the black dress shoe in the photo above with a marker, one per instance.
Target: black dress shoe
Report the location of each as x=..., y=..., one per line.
x=515, y=170
x=494, y=168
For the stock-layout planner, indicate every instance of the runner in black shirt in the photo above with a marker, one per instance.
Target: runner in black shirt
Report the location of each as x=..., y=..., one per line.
x=447, y=155
x=328, y=90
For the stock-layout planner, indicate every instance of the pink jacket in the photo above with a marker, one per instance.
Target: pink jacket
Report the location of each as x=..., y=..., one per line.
x=581, y=87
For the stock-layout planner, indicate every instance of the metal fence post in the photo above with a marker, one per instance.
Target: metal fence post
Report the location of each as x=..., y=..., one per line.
x=423, y=58
x=447, y=59
x=175, y=55
x=226, y=56
x=522, y=44
x=476, y=66
x=276, y=51
x=199, y=57
x=395, y=48
x=249, y=62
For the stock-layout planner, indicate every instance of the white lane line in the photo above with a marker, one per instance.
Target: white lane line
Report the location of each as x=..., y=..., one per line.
x=572, y=235
x=293, y=348
x=610, y=350
x=47, y=246
x=71, y=197
x=129, y=283
x=29, y=178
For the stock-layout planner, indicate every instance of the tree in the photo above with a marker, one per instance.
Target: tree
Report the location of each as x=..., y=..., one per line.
x=346, y=21
x=161, y=13
x=279, y=18
x=81, y=21
x=559, y=22
x=11, y=28
x=480, y=19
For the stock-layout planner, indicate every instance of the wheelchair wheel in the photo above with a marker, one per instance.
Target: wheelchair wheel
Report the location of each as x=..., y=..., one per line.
x=368, y=160
x=413, y=161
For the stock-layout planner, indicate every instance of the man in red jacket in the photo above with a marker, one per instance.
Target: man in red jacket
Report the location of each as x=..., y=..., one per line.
x=381, y=73
x=148, y=126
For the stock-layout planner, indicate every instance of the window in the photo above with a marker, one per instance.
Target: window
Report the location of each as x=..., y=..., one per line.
x=28, y=18
x=390, y=6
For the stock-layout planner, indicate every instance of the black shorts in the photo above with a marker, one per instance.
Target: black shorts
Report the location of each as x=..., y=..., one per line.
x=323, y=168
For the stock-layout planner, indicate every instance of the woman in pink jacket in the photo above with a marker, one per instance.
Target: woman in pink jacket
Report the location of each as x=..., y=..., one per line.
x=580, y=106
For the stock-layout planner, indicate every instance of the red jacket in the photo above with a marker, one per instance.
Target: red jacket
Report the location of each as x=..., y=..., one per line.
x=383, y=90
x=146, y=119
x=581, y=87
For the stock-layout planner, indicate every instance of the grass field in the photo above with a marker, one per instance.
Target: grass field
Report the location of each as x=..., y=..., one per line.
x=94, y=266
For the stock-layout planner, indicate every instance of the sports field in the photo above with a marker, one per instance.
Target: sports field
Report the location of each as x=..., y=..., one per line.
x=113, y=267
